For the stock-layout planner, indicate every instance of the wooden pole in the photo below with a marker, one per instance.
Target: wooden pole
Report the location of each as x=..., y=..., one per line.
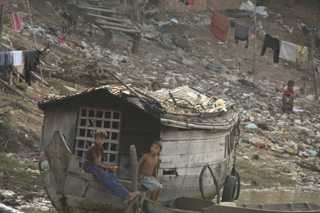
x=134, y=168
x=312, y=68
x=310, y=57
x=255, y=39
x=1, y=19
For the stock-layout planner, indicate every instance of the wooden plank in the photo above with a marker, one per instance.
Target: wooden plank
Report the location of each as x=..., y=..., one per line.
x=173, y=134
x=109, y=23
x=63, y=120
x=110, y=18
x=39, y=78
x=59, y=155
x=134, y=168
x=120, y=29
x=97, y=9
x=191, y=160
x=195, y=146
x=16, y=90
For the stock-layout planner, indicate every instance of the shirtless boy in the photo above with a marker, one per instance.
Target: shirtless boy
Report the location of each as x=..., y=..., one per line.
x=147, y=171
x=104, y=173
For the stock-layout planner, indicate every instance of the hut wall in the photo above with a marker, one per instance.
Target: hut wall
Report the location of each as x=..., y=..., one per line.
x=185, y=153
x=59, y=119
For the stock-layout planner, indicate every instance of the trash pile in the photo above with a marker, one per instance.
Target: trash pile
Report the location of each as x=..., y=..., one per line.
x=184, y=100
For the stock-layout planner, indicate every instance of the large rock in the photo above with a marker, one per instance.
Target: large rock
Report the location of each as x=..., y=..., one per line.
x=7, y=194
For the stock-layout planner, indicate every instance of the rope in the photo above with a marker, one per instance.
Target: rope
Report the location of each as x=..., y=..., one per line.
x=31, y=22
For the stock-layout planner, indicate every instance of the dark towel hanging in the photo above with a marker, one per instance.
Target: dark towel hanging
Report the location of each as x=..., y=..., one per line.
x=274, y=44
x=241, y=33
x=31, y=61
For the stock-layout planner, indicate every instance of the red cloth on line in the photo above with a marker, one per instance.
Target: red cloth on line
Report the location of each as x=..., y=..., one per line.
x=190, y=2
x=17, y=22
x=220, y=26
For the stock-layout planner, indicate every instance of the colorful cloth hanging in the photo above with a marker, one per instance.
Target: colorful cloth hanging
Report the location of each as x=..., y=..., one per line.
x=17, y=22
x=220, y=26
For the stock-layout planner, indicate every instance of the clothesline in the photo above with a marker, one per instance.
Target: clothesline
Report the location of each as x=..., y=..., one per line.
x=220, y=25
x=23, y=61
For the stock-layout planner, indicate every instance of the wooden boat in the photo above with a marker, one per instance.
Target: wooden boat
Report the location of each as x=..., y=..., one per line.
x=198, y=147
x=193, y=205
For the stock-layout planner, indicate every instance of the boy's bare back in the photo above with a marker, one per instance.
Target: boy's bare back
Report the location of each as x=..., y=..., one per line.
x=148, y=165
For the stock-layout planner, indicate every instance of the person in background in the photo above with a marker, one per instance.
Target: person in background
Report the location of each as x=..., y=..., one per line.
x=147, y=171
x=288, y=97
x=105, y=173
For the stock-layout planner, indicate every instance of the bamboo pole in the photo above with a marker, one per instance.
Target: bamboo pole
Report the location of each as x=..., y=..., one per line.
x=311, y=65
x=1, y=19
x=255, y=39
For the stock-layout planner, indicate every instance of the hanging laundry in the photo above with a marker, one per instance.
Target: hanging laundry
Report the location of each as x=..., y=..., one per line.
x=293, y=52
x=31, y=61
x=241, y=33
x=274, y=44
x=302, y=54
x=17, y=58
x=17, y=22
x=288, y=51
x=6, y=59
x=190, y=2
x=220, y=26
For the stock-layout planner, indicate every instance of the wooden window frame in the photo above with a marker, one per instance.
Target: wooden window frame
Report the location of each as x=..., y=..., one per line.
x=89, y=120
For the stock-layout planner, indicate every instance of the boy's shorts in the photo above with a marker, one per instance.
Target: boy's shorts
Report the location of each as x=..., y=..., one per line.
x=151, y=183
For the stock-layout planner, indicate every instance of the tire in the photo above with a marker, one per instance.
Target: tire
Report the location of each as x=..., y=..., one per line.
x=215, y=181
x=236, y=174
x=229, y=189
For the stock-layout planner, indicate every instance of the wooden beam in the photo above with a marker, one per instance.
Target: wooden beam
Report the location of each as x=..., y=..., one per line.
x=134, y=168
x=97, y=9
x=39, y=78
x=1, y=19
x=114, y=24
x=120, y=29
x=109, y=18
x=15, y=90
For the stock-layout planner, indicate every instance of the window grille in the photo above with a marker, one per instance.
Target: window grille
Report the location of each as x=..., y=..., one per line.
x=91, y=119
